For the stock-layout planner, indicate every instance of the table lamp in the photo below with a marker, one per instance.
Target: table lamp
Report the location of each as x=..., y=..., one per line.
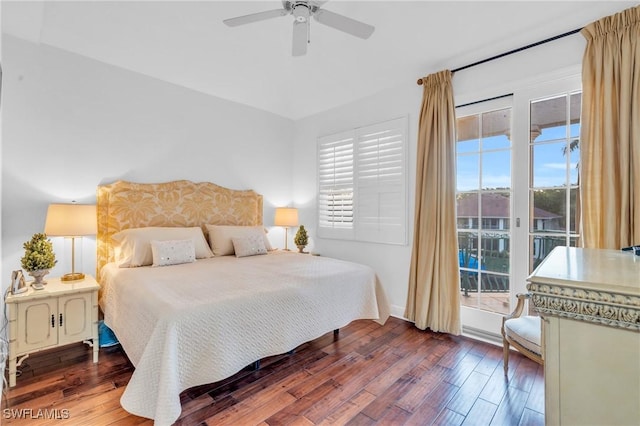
x=71, y=221
x=286, y=217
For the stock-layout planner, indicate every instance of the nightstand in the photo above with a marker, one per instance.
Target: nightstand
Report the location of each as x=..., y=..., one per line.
x=61, y=313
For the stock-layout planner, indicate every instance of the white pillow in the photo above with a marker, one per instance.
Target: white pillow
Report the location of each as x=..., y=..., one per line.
x=249, y=246
x=220, y=237
x=173, y=252
x=133, y=246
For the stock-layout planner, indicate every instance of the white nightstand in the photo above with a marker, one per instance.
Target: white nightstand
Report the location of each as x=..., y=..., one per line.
x=61, y=313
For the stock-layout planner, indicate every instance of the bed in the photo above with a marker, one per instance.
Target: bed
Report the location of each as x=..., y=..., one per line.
x=198, y=322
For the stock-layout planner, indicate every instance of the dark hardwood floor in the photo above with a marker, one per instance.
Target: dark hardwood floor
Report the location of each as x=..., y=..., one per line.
x=370, y=375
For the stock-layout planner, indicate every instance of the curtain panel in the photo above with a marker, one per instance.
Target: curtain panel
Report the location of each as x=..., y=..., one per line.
x=610, y=132
x=434, y=278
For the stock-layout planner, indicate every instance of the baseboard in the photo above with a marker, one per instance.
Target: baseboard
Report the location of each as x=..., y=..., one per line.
x=397, y=311
x=484, y=336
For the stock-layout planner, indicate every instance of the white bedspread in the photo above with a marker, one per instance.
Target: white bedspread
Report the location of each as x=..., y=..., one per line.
x=192, y=324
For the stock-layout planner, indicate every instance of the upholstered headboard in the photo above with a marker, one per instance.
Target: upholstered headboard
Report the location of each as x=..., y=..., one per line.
x=122, y=205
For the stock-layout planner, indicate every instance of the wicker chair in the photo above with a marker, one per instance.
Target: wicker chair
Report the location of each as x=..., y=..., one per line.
x=523, y=332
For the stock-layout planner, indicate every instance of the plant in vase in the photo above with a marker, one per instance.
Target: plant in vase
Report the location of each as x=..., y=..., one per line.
x=38, y=258
x=301, y=239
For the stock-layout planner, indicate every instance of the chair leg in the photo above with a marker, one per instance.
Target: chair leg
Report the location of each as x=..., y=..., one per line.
x=505, y=354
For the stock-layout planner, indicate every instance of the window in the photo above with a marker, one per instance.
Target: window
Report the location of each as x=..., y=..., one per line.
x=553, y=186
x=362, y=184
x=484, y=191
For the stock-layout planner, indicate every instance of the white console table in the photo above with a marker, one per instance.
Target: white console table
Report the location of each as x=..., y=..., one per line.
x=589, y=301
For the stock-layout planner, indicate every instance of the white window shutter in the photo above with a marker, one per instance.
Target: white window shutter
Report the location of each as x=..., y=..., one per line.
x=381, y=182
x=335, y=185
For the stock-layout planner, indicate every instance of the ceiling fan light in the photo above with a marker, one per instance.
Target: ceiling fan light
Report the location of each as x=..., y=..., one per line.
x=301, y=11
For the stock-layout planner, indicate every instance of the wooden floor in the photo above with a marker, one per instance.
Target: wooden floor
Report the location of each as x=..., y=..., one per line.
x=370, y=375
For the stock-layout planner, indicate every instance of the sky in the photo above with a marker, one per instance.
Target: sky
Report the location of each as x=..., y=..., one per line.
x=549, y=161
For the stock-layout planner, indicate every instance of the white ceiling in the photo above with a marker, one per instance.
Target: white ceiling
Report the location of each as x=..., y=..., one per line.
x=187, y=44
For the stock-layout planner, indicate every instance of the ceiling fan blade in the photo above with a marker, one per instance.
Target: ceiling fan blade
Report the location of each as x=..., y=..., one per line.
x=255, y=17
x=342, y=23
x=299, y=38
x=317, y=3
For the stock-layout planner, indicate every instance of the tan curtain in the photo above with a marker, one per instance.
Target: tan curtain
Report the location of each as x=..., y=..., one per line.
x=610, y=133
x=434, y=279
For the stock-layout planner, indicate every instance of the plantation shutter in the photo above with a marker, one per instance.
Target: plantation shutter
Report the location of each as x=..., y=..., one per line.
x=362, y=184
x=335, y=179
x=381, y=178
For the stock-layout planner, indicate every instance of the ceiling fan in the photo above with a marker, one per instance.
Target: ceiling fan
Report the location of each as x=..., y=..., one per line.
x=302, y=11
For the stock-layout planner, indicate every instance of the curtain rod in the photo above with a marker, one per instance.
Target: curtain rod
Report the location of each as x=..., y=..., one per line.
x=506, y=95
x=510, y=52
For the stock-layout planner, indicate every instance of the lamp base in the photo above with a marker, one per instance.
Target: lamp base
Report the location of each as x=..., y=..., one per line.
x=73, y=276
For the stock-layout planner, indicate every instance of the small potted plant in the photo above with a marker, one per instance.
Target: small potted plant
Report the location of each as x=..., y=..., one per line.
x=38, y=258
x=301, y=239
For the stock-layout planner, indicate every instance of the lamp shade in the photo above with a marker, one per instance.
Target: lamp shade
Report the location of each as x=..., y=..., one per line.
x=71, y=220
x=286, y=216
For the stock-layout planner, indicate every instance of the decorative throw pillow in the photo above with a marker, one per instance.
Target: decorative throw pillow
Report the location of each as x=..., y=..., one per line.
x=173, y=252
x=220, y=237
x=249, y=246
x=132, y=246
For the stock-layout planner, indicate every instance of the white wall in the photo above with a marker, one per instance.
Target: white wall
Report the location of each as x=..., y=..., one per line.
x=491, y=79
x=71, y=123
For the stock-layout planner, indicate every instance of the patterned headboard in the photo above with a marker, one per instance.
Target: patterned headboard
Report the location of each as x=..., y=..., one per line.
x=122, y=205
